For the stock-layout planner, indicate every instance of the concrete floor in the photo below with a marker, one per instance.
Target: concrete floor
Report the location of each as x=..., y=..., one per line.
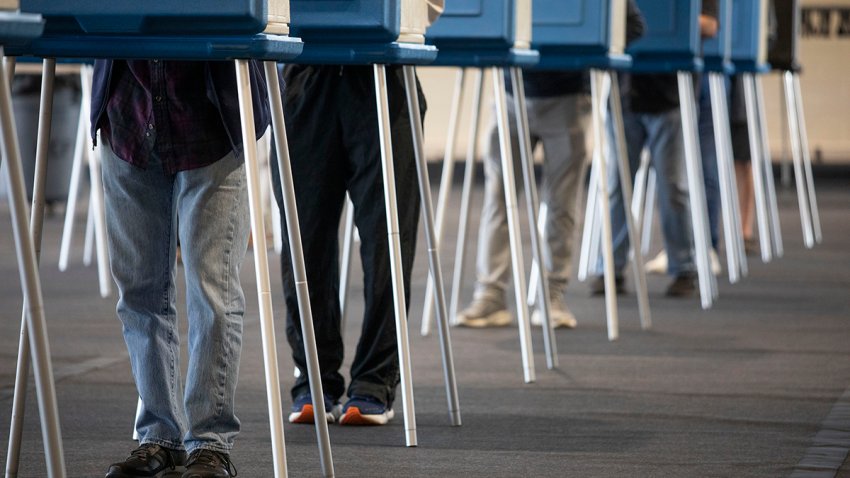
x=751, y=387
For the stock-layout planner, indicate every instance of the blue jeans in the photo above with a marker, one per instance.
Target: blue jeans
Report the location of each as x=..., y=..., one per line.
x=142, y=209
x=709, y=157
x=661, y=133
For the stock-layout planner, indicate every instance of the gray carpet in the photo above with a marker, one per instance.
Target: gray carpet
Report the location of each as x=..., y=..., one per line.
x=740, y=390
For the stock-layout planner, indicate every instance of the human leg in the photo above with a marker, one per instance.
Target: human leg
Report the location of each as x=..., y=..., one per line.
x=212, y=204
x=142, y=239
x=318, y=171
x=375, y=368
x=667, y=152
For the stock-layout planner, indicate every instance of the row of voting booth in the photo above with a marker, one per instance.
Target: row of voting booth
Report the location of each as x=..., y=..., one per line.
x=482, y=36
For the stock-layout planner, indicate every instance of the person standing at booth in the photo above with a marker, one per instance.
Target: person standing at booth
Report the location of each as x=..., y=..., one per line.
x=332, y=126
x=171, y=145
x=558, y=117
x=653, y=120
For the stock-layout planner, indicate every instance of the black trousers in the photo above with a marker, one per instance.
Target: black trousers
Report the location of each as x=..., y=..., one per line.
x=332, y=127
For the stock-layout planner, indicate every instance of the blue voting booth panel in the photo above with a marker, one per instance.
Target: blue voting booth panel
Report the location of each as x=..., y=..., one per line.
x=672, y=38
x=73, y=30
x=717, y=50
x=484, y=33
x=334, y=21
x=151, y=16
x=356, y=32
x=749, y=35
x=580, y=34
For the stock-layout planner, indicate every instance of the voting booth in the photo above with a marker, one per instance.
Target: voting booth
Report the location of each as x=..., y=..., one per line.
x=385, y=32
x=484, y=33
x=783, y=56
x=718, y=66
x=580, y=34
x=208, y=30
x=671, y=41
x=362, y=31
x=672, y=44
x=749, y=56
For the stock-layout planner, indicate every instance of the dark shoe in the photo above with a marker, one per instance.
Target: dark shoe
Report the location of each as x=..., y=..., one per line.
x=684, y=285
x=751, y=246
x=209, y=464
x=597, y=286
x=302, y=409
x=361, y=410
x=149, y=460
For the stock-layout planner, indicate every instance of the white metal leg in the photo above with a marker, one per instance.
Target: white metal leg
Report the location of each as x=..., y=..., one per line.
x=88, y=240
x=36, y=223
x=261, y=266
x=394, y=240
x=533, y=280
x=732, y=230
x=348, y=239
x=445, y=189
x=589, y=253
x=432, y=242
x=696, y=190
x=532, y=201
x=76, y=179
x=762, y=215
x=807, y=160
x=466, y=193
x=647, y=205
x=626, y=186
x=513, y=225
x=772, y=203
x=796, y=154
x=299, y=270
x=31, y=285
x=611, y=313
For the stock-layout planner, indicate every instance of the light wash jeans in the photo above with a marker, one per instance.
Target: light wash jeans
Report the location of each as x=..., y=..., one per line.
x=142, y=210
x=661, y=133
x=560, y=124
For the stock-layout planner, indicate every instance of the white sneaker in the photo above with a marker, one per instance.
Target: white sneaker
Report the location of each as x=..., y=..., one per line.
x=657, y=265
x=716, y=268
x=559, y=314
x=483, y=313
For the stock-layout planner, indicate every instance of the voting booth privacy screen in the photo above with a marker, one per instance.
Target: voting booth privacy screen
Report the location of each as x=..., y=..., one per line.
x=483, y=24
x=155, y=17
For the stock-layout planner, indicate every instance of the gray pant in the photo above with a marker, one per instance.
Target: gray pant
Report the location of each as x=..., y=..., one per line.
x=560, y=124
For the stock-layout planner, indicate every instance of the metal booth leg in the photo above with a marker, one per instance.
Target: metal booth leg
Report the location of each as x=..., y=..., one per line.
x=589, y=253
x=611, y=313
x=261, y=267
x=762, y=215
x=632, y=225
x=532, y=201
x=732, y=231
x=76, y=176
x=444, y=191
x=31, y=283
x=45, y=117
x=807, y=160
x=345, y=262
x=466, y=194
x=299, y=270
x=773, y=207
x=799, y=174
x=394, y=240
x=433, y=245
x=696, y=189
x=513, y=225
